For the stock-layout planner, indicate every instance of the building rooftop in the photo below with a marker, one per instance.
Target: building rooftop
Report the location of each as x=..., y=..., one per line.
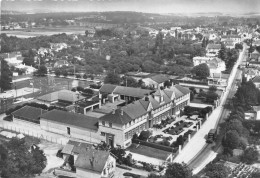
x=159, y=78
x=107, y=88
x=29, y=112
x=65, y=95
x=130, y=91
x=70, y=118
x=214, y=46
x=98, y=158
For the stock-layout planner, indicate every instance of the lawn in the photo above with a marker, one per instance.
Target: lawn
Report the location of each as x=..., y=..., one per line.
x=148, y=151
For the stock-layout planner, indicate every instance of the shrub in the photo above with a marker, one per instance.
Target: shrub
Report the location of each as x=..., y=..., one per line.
x=59, y=154
x=8, y=118
x=144, y=135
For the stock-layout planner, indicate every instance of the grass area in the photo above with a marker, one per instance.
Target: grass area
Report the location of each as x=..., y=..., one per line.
x=148, y=151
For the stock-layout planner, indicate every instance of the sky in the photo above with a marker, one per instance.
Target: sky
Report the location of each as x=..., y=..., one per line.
x=149, y=6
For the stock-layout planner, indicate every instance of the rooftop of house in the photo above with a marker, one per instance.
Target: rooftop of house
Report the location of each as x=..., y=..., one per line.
x=131, y=91
x=74, y=147
x=65, y=95
x=29, y=112
x=69, y=118
x=86, y=103
x=91, y=159
x=159, y=78
x=219, y=75
x=256, y=79
x=107, y=88
x=117, y=116
x=214, y=46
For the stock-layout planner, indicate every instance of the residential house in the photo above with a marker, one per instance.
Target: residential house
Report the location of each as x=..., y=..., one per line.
x=61, y=63
x=218, y=79
x=251, y=73
x=44, y=51
x=27, y=69
x=230, y=44
x=212, y=50
x=200, y=59
x=88, y=162
x=156, y=81
x=256, y=81
x=216, y=65
x=27, y=115
x=71, y=124
x=58, y=46
x=65, y=99
x=235, y=38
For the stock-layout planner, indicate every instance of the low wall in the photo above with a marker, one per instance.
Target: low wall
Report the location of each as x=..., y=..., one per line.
x=63, y=172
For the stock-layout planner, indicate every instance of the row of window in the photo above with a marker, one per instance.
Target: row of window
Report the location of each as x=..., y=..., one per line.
x=136, y=121
x=161, y=108
x=129, y=134
x=161, y=117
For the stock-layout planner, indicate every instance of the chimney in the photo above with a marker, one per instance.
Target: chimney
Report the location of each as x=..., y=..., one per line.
x=146, y=98
x=122, y=112
x=113, y=111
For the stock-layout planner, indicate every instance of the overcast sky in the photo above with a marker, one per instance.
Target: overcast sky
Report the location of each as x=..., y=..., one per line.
x=150, y=6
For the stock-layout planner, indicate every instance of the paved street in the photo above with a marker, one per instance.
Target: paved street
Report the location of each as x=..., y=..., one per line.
x=197, y=143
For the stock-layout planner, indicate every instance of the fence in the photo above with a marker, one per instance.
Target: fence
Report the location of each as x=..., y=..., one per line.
x=34, y=134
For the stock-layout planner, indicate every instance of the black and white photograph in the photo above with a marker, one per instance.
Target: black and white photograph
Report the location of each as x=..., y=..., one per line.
x=129, y=88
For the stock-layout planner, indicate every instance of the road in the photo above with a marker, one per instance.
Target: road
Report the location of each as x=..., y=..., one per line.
x=206, y=154
x=197, y=143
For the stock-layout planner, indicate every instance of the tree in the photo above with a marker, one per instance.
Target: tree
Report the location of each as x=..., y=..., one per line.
x=42, y=71
x=176, y=170
x=211, y=97
x=57, y=72
x=201, y=71
x=20, y=162
x=112, y=78
x=6, y=76
x=238, y=46
x=216, y=170
x=250, y=155
x=231, y=139
x=222, y=53
x=213, y=88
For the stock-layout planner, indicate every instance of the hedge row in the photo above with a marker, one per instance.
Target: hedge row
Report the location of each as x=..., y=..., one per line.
x=154, y=145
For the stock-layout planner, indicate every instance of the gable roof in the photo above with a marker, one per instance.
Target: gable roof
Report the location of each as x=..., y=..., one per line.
x=70, y=118
x=117, y=117
x=159, y=78
x=99, y=160
x=214, y=46
x=256, y=79
x=182, y=89
x=107, y=88
x=134, y=110
x=130, y=91
x=29, y=112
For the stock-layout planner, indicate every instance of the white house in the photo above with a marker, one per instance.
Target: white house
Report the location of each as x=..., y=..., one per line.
x=212, y=50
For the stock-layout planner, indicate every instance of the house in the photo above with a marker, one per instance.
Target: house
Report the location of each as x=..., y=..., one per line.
x=61, y=63
x=65, y=99
x=235, y=38
x=44, y=51
x=255, y=56
x=230, y=44
x=71, y=124
x=27, y=115
x=200, y=59
x=88, y=162
x=58, y=46
x=216, y=65
x=251, y=73
x=256, y=81
x=27, y=69
x=212, y=50
x=218, y=79
x=156, y=81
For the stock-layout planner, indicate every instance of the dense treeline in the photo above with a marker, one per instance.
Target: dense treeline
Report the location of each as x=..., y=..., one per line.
x=169, y=55
x=237, y=132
